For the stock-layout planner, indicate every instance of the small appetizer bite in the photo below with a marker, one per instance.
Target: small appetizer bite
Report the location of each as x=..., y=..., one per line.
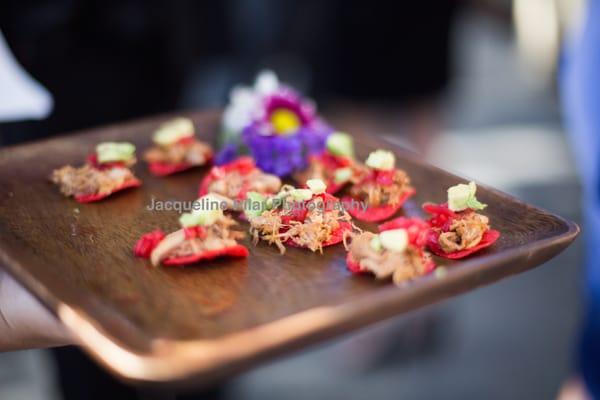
x=176, y=149
x=457, y=230
x=396, y=253
x=206, y=233
x=234, y=180
x=382, y=188
x=335, y=166
x=309, y=218
x=105, y=172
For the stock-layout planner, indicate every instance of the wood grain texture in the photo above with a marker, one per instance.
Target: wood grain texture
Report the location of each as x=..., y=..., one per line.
x=195, y=324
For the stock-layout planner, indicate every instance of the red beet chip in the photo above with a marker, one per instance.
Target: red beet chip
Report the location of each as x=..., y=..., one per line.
x=234, y=251
x=165, y=169
x=144, y=246
x=376, y=214
x=89, y=198
x=416, y=228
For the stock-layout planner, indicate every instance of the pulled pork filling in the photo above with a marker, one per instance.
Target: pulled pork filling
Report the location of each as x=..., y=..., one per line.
x=464, y=233
x=233, y=183
x=317, y=227
x=376, y=194
x=89, y=180
x=218, y=236
x=402, y=267
x=193, y=153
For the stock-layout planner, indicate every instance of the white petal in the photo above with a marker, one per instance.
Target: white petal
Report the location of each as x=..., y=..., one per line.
x=266, y=83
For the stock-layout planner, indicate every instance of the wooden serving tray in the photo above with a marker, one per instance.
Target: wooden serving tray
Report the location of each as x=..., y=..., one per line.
x=200, y=323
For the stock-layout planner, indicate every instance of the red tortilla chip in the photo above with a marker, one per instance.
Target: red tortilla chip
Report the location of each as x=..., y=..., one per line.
x=429, y=267
x=89, y=198
x=165, y=169
x=144, y=246
x=438, y=209
x=234, y=251
x=331, y=161
x=376, y=214
x=489, y=237
x=334, y=162
x=441, y=215
x=206, y=181
x=353, y=266
x=332, y=187
x=416, y=228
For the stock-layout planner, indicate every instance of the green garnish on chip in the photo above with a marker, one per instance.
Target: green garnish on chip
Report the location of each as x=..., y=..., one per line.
x=461, y=197
x=301, y=194
x=207, y=210
x=340, y=144
x=174, y=130
x=394, y=240
x=255, y=204
x=381, y=159
x=342, y=175
x=317, y=186
x=375, y=244
x=115, y=151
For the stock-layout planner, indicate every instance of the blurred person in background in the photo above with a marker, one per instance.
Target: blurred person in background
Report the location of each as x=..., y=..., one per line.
x=580, y=85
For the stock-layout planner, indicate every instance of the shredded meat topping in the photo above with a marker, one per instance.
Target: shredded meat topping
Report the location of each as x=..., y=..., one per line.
x=465, y=232
x=401, y=267
x=316, y=229
x=194, y=153
x=376, y=194
x=232, y=184
x=88, y=180
x=218, y=236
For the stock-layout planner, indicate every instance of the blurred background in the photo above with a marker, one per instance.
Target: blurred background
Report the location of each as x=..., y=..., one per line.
x=471, y=85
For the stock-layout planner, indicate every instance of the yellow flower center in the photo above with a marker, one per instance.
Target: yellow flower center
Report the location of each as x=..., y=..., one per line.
x=284, y=121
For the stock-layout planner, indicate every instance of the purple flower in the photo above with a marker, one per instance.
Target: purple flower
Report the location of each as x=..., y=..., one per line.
x=315, y=136
x=287, y=99
x=228, y=153
x=286, y=132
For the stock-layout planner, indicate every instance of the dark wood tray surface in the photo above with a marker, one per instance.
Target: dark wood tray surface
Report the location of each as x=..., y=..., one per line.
x=197, y=324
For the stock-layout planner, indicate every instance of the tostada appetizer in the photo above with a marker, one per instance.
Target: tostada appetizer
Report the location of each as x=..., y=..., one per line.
x=105, y=172
x=457, y=229
x=310, y=218
x=234, y=180
x=335, y=166
x=205, y=233
x=176, y=149
x=396, y=252
x=382, y=188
